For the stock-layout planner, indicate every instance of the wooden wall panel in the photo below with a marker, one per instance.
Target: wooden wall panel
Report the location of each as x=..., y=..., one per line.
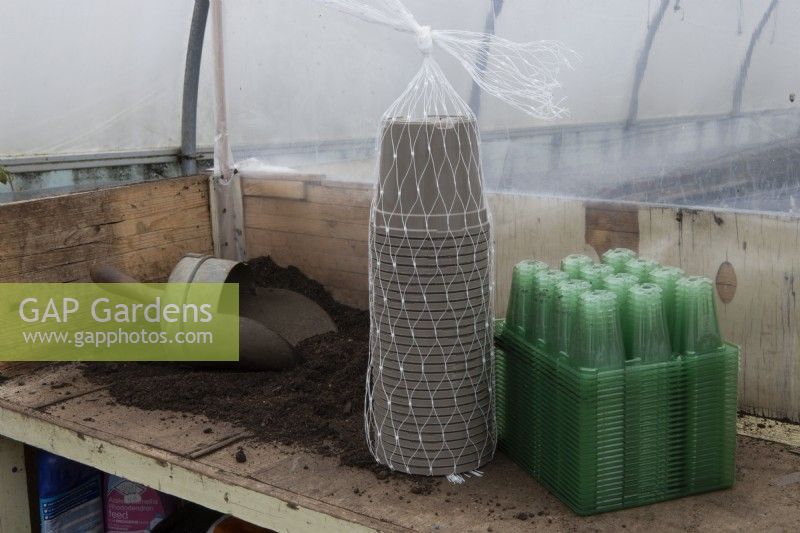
x=761, y=315
x=143, y=229
x=323, y=231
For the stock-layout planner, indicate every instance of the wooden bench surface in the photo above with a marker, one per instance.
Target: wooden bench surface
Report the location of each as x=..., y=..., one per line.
x=190, y=456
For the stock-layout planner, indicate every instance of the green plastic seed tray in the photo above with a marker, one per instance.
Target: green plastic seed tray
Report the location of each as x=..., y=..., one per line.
x=607, y=440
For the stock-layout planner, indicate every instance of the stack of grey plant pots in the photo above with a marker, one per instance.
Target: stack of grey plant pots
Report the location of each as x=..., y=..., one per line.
x=430, y=380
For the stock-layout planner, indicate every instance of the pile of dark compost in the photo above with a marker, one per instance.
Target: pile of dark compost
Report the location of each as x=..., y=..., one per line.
x=318, y=405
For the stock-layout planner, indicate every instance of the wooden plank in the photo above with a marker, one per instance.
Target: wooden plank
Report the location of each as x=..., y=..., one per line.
x=350, y=194
x=41, y=244
x=612, y=226
x=150, y=264
x=256, y=502
x=305, y=226
x=761, y=317
x=104, y=241
x=47, y=385
x=89, y=208
x=142, y=228
x=254, y=181
x=528, y=227
x=12, y=369
x=307, y=210
x=14, y=505
x=178, y=433
x=269, y=188
x=769, y=429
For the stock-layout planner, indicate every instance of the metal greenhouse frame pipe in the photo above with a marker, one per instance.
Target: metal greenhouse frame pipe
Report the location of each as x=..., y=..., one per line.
x=191, y=82
x=738, y=91
x=641, y=63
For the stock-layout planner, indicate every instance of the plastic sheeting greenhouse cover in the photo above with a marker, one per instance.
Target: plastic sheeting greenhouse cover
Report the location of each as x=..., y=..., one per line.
x=686, y=102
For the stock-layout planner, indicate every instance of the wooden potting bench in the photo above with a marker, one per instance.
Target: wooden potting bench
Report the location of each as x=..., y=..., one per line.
x=55, y=408
x=320, y=226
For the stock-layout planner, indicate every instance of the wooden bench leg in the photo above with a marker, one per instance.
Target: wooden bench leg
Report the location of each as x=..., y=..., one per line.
x=14, y=507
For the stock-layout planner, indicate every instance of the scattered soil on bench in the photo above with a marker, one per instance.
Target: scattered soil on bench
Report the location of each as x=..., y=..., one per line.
x=318, y=405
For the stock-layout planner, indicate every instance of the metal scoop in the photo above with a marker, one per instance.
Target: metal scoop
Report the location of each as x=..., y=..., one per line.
x=271, y=321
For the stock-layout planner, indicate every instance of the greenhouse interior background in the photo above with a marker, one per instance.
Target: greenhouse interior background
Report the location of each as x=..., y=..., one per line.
x=677, y=102
x=474, y=265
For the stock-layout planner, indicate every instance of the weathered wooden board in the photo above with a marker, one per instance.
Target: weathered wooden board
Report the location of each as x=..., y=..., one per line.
x=143, y=229
x=288, y=489
x=46, y=385
x=174, y=474
x=324, y=234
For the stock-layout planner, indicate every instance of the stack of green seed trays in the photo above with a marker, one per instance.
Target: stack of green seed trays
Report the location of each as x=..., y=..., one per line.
x=611, y=439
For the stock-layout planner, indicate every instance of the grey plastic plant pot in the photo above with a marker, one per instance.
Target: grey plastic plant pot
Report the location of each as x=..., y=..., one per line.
x=437, y=448
x=442, y=466
x=474, y=374
x=420, y=327
x=458, y=222
x=427, y=415
x=436, y=273
x=450, y=245
x=393, y=311
x=400, y=408
x=416, y=365
x=425, y=338
x=408, y=432
x=475, y=293
x=429, y=167
x=435, y=249
x=447, y=445
x=411, y=430
x=469, y=392
x=401, y=337
x=460, y=305
x=439, y=454
x=415, y=356
x=446, y=325
x=435, y=353
x=432, y=292
x=465, y=305
x=462, y=460
x=424, y=266
x=436, y=470
x=431, y=416
x=412, y=434
x=457, y=390
x=473, y=263
x=424, y=412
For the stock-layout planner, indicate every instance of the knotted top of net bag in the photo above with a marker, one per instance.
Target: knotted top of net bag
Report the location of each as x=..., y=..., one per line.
x=525, y=75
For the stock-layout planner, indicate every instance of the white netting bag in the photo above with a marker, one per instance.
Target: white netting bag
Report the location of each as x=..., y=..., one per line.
x=429, y=406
